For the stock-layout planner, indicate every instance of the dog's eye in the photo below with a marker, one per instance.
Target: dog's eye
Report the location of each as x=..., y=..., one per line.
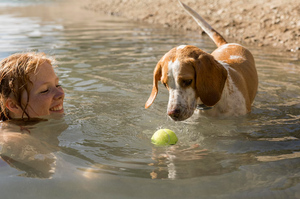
x=186, y=83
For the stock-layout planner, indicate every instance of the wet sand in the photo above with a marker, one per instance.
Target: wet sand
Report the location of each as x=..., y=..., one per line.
x=273, y=23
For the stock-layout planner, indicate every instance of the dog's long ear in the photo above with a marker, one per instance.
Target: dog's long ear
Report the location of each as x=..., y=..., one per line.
x=156, y=77
x=210, y=79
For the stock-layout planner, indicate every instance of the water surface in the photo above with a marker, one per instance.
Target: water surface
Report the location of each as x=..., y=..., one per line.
x=101, y=148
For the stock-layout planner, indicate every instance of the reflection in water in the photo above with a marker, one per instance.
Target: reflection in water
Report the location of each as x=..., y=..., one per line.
x=31, y=147
x=103, y=142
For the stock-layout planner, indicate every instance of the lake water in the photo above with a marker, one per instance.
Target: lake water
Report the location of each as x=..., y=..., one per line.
x=101, y=148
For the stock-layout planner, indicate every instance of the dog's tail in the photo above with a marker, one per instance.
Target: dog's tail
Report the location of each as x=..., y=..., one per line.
x=213, y=34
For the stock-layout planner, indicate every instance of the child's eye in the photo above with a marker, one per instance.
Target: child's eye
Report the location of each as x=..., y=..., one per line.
x=58, y=85
x=45, y=91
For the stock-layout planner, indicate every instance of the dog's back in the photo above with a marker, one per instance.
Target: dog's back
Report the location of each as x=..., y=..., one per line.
x=242, y=69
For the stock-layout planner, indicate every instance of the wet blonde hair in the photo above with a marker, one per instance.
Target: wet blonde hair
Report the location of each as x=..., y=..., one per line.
x=15, y=71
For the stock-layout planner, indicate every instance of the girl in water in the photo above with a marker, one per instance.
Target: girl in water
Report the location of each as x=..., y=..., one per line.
x=29, y=87
x=29, y=90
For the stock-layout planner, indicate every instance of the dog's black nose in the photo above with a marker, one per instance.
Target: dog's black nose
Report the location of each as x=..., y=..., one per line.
x=174, y=114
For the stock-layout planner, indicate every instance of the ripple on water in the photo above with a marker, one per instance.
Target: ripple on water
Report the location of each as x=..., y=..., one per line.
x=106, y=65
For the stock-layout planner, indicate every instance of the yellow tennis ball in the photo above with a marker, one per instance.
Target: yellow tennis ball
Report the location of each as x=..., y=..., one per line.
x=164, y=137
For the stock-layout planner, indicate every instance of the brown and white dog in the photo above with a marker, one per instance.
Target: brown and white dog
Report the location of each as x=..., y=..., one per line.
x=225, y=81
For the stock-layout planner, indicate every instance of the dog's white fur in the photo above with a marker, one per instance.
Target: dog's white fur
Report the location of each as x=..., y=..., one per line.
x=179, y=98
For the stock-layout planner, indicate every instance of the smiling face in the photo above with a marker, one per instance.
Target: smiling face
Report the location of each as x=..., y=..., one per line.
x=29, y=87
x=46, y=95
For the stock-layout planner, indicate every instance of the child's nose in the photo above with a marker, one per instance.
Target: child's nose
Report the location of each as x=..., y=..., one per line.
x=60, y=94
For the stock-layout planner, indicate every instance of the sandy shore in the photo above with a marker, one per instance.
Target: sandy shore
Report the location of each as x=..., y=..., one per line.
x=273, y=23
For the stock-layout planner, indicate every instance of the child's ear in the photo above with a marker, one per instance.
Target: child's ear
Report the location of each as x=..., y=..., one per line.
x=13, y=107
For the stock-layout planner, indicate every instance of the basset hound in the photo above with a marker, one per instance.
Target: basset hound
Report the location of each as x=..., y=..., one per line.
x=223, y=83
